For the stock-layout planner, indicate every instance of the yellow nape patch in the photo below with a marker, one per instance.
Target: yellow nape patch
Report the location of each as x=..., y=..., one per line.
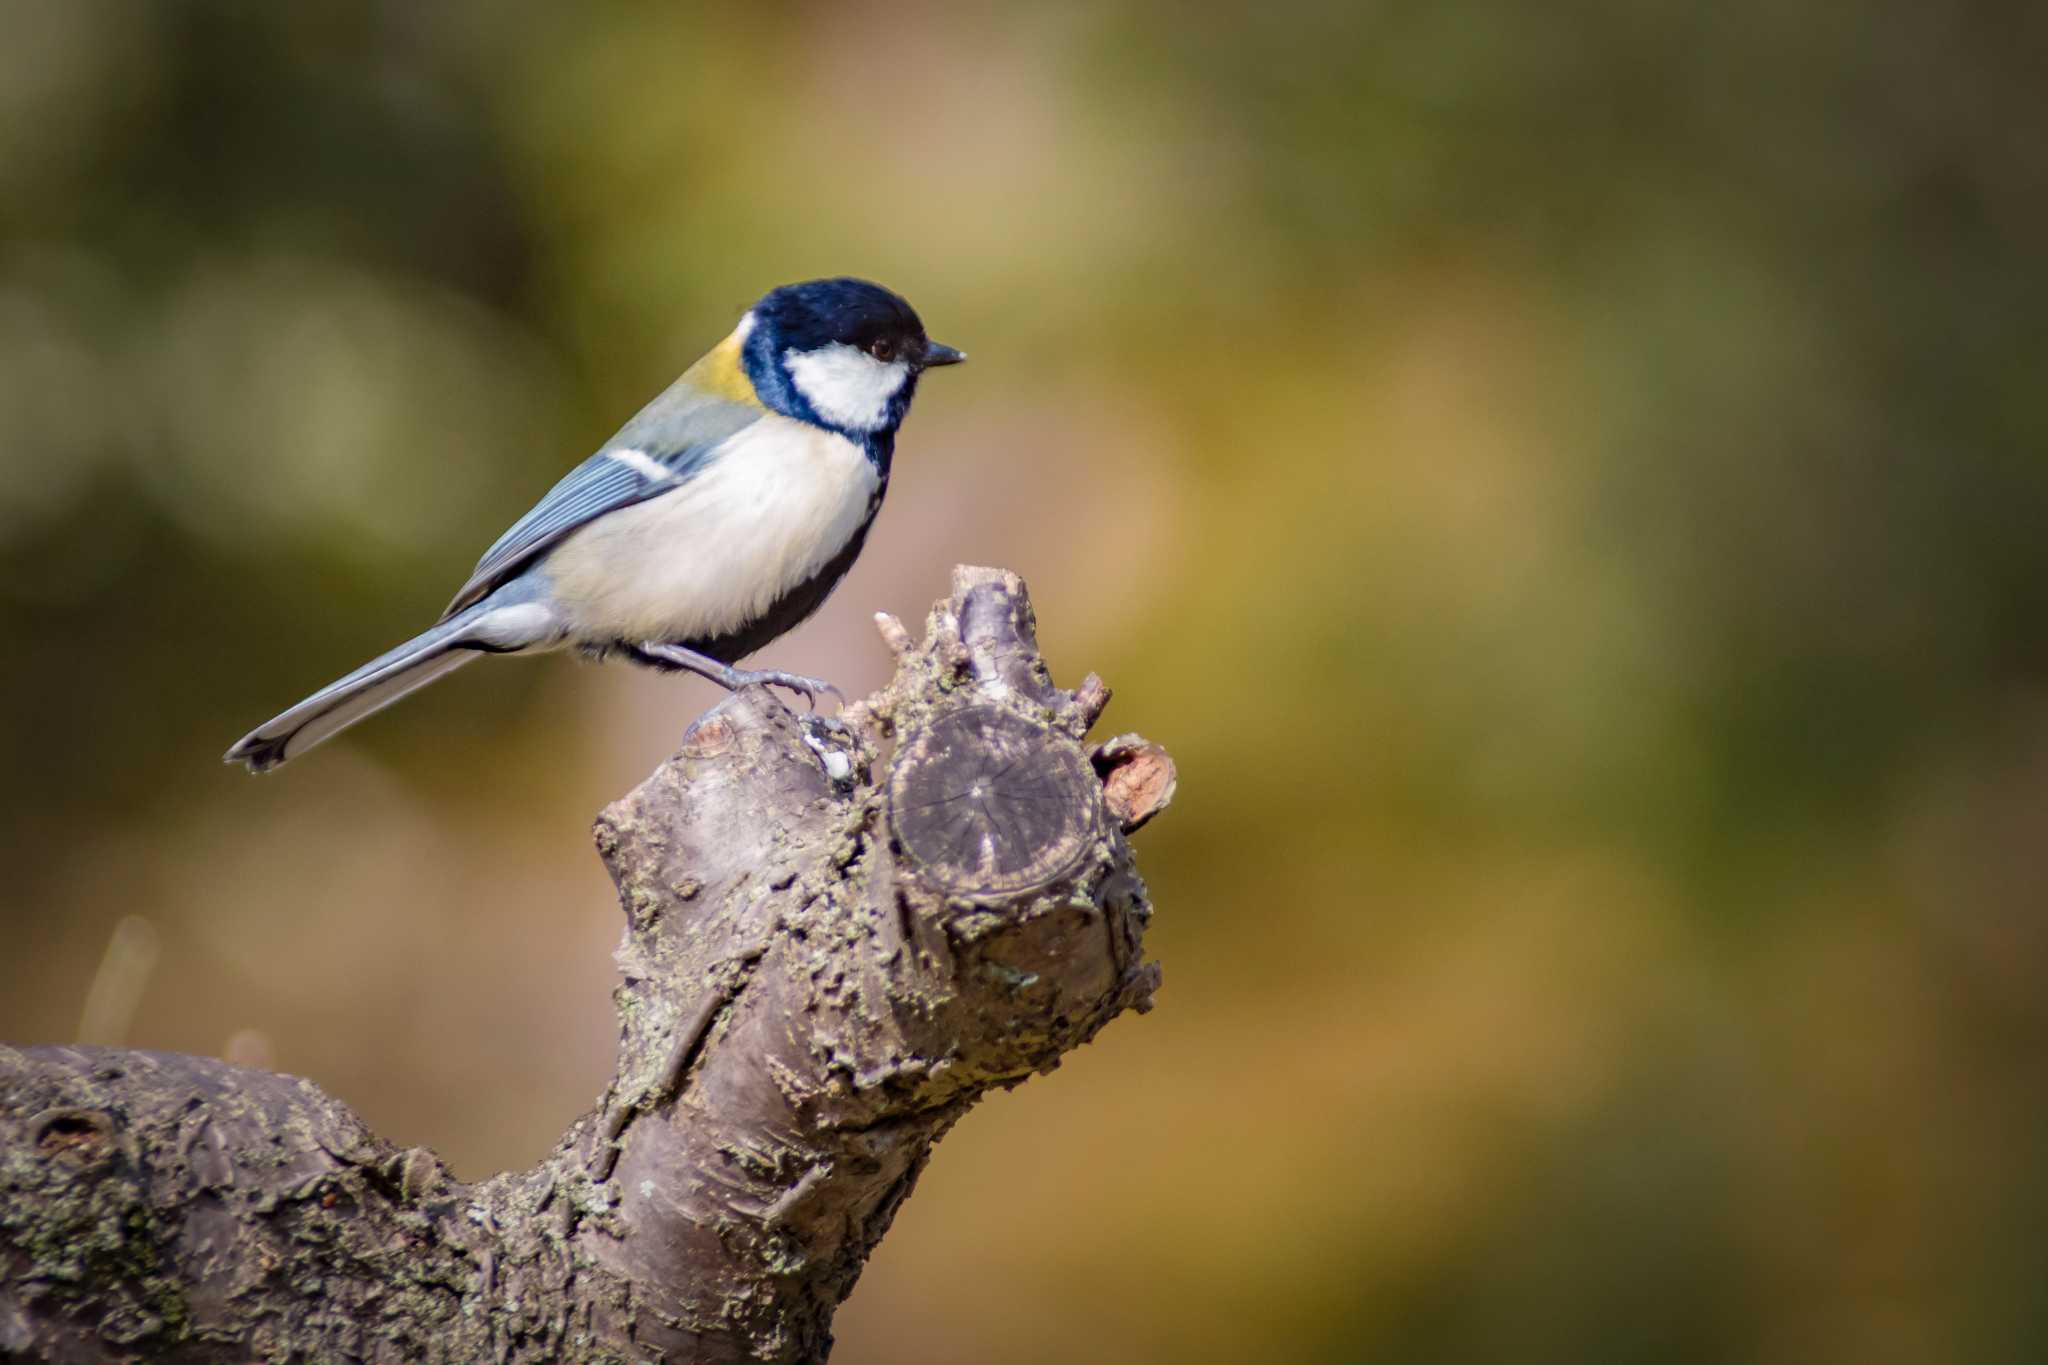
x=721, y=373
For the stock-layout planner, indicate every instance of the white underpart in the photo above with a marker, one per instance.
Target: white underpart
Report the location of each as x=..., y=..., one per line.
x=848, y=387
x=643, y=464
x=770, y=509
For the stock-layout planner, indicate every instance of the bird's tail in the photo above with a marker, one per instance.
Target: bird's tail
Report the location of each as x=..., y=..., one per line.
x=374, y=686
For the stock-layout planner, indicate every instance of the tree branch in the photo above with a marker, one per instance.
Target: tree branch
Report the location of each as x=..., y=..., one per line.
x=837, y=939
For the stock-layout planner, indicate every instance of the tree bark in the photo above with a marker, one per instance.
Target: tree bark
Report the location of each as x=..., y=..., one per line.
x=837, y=939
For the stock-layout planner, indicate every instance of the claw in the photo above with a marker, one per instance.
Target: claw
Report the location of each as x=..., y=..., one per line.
x=795, y=682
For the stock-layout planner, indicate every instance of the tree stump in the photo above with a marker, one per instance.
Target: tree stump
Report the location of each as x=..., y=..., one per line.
x=838, y=938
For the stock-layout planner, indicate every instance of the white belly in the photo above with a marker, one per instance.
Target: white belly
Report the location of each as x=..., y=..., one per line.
x=766, y=514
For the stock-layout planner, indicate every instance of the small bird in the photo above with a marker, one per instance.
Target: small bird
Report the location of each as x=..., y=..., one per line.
x=716, y=521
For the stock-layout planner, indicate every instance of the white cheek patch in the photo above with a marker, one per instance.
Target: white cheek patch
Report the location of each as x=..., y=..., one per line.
x=848, y=387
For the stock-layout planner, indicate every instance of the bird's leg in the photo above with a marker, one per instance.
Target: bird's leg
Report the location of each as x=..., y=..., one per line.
x=725, y=675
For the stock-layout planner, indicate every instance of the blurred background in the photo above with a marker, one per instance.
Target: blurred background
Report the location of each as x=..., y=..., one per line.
x=1567, y=482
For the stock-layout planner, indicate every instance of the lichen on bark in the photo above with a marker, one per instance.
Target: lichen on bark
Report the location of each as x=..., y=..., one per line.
x=838, y=937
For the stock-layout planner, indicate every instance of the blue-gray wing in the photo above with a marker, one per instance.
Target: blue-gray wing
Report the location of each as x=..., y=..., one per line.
x=661, y=448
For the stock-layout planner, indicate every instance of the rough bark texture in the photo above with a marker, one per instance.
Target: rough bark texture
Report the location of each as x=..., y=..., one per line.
x=837, y=940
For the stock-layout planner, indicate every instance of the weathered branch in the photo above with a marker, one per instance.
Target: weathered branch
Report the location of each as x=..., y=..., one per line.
x=837, y=940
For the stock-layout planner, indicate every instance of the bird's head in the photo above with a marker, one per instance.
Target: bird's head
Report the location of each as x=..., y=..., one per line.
x=842, y=354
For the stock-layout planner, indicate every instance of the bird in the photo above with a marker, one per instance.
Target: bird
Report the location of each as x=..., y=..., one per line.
x=715, y=521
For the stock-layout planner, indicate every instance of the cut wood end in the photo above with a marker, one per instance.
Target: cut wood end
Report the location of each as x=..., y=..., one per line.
x=1138, y=779
x=711, y=735
x=968, y=577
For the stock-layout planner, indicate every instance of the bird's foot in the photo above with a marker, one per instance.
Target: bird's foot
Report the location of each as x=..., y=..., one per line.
x=811, y=688
x=733, y=679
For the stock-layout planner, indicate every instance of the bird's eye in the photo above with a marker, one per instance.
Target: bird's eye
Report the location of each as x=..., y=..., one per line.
x=882, y=349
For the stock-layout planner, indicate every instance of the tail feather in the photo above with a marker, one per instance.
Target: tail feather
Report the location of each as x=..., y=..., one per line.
x=369, y=689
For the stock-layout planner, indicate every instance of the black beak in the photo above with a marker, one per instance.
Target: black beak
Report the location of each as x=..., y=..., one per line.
x=936, y=354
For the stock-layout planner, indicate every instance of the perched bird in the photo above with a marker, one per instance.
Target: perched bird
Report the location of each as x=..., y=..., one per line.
x=715, y=521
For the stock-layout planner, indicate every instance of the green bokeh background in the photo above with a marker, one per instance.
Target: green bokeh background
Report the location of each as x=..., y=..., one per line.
x=1568, y=482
